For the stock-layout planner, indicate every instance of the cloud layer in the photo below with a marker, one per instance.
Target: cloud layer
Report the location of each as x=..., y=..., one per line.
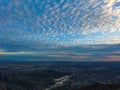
x=41, y=26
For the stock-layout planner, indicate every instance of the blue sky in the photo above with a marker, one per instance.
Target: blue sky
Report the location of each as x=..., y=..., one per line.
x=67, y=30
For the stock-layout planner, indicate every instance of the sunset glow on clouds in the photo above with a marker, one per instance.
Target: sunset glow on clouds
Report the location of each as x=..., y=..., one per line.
x=40, y=29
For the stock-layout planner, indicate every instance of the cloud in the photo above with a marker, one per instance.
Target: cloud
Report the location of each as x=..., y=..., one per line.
x=61, y=53
x=114, y=58
x=53, y=18
x=87, y=29
x=15, y=53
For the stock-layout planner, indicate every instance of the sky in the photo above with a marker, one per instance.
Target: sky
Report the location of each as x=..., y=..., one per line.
x=60, y=30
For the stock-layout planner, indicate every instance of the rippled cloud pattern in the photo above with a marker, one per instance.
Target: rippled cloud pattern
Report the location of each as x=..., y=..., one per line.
x=41, y=29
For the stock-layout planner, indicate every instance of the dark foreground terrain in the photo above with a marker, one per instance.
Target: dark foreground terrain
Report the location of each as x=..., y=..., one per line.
x=60, y=76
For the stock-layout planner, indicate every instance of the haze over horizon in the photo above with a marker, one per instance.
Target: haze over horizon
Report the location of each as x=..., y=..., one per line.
x=60, y=30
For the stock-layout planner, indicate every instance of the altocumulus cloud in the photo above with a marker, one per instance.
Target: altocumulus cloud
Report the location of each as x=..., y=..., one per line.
x=70, y=29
